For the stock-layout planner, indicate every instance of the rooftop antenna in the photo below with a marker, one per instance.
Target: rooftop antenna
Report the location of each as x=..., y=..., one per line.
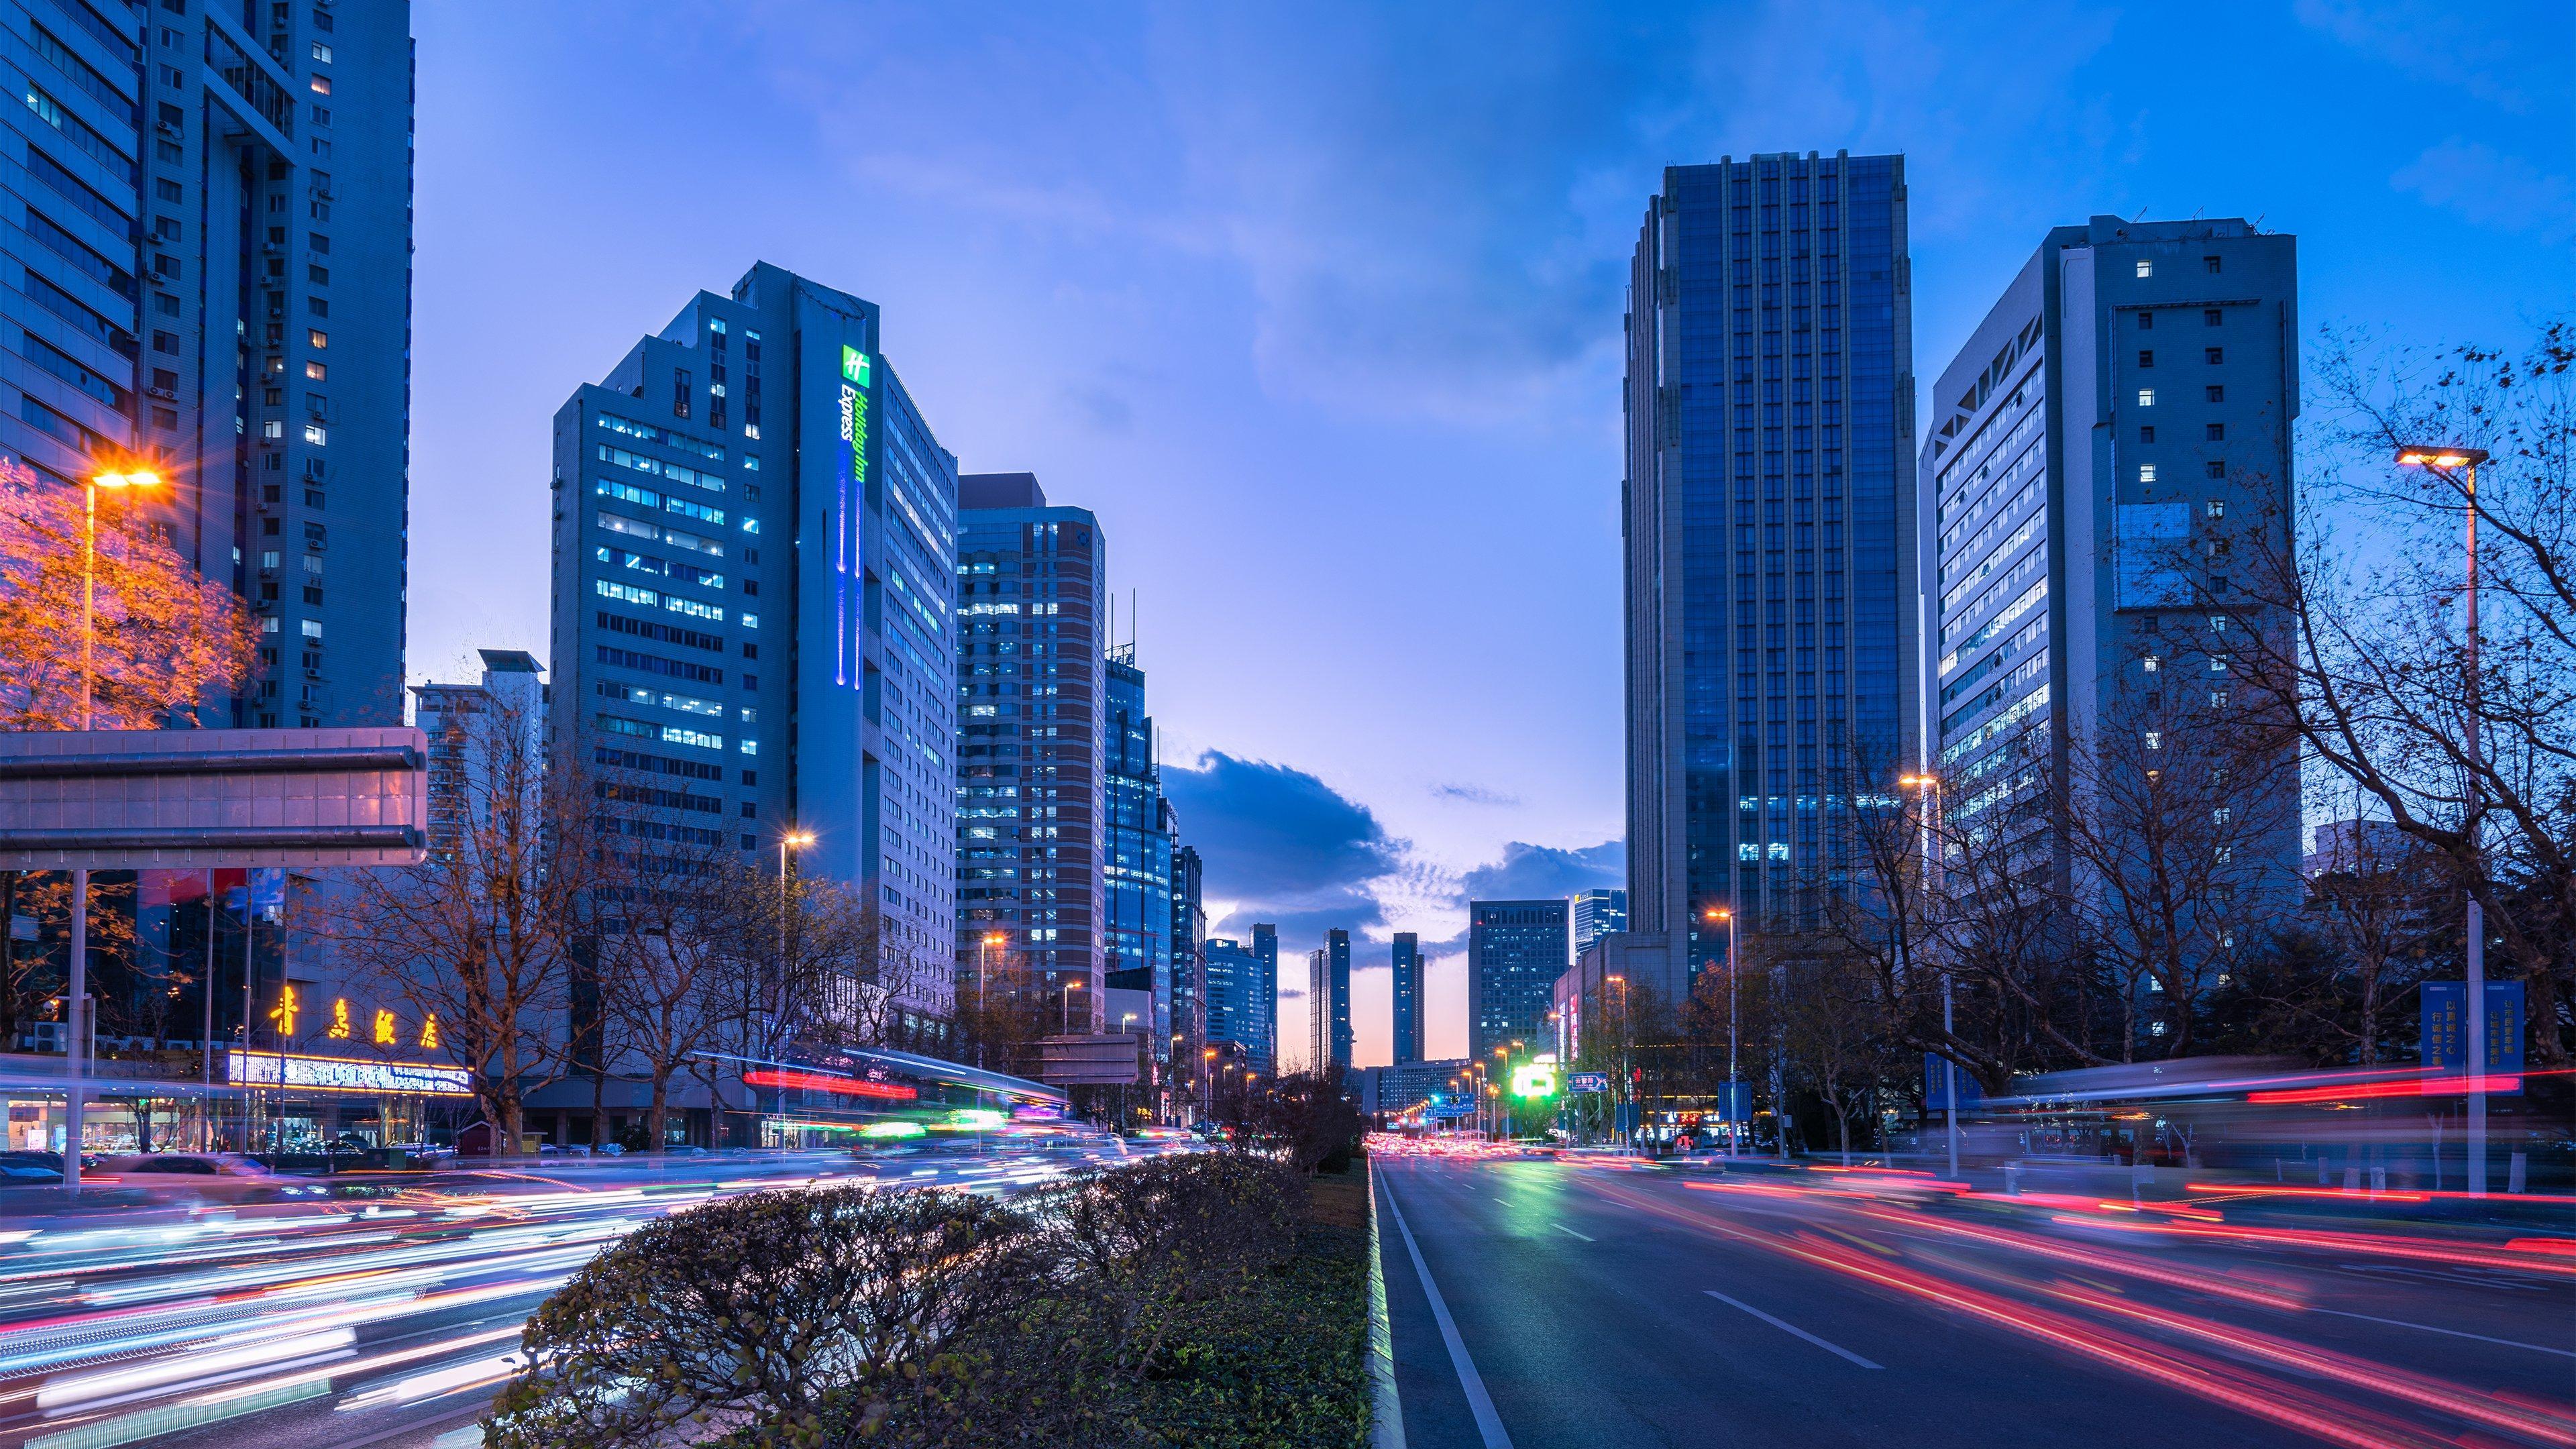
x=1131, y=622
x=2141, y=216
x=2258, y=220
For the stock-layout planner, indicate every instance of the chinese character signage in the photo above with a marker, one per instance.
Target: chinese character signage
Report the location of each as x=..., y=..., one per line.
x=2446, y=1034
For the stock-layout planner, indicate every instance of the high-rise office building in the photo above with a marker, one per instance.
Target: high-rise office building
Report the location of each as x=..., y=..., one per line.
x=1189, y=946
x=1515, y=952
x=1770, y=585
x=1407, y=960
x=1597, y=913
x=467, y=726
x=1328, y=1002
x=2114, y=433
x=755, y=544
x=1262, y=1011
x=1234, y=1000
x=211, y=221
x=1136, y=846
x=1031, y=685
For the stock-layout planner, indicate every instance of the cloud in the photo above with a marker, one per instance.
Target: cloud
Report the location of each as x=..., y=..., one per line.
x=1535, y=872
x=2488, y=188
x=2445, y=43
x=1473, y=795
x=1283, y=846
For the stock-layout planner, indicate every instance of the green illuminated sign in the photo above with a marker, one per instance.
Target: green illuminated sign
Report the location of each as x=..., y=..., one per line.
x=854, y=366
x=1535, y=1080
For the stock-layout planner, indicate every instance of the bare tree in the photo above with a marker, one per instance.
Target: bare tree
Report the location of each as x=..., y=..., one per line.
x=2375, y=667
x=2179, y=803
x=480, y=938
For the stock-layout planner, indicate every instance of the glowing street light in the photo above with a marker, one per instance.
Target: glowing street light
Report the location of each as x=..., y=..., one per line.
x=2441, y=459
x=76, y=1055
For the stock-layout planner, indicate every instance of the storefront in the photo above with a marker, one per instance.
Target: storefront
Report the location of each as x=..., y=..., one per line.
x=294, y=1104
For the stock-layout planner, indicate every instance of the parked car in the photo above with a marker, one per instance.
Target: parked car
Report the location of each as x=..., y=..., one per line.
x=28, y=1166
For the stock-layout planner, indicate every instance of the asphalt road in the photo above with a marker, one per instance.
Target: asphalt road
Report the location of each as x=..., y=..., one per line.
x=363, y=1315
x=1591, y=1305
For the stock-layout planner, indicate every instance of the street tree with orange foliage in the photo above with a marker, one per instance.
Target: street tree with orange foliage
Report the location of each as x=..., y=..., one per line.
x=167, y=641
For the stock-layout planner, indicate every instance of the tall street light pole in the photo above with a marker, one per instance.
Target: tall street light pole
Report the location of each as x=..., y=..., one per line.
x=2441, y=461
x=76, y=1001
x=1727, y=914
x=1931, y=788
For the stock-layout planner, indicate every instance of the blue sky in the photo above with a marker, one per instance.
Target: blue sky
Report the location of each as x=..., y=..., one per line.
x=1318, y=307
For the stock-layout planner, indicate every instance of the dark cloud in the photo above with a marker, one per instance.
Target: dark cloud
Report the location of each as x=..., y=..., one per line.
x=1473, y=795
x=1284, y=846
x=1534, y=872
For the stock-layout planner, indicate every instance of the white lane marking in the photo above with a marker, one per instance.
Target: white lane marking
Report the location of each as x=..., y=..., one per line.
x=1791, y=1328
x=2447, y=1332
x=1488, y=1423
x=1569, y=1232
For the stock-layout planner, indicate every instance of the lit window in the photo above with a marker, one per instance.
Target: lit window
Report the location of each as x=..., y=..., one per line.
x=2151, y=664
x=317, y=338
x=2146, y=472
x=314, y=434
x=317, y=372
x=2155, y=739
x=321, y=53
x=2218, y=508
x=2146, y=268
x=2146, y=397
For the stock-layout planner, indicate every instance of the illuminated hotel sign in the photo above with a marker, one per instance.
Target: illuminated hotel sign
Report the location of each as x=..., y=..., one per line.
x=339, y=1074
x=857, y=373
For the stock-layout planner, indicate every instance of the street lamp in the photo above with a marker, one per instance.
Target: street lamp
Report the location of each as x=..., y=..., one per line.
x=75, y=1052
x=1733, y=1113
x=2440, y=460
x=1930, y=785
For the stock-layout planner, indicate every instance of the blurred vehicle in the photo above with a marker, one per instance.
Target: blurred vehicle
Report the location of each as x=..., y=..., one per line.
x=30, y=1166
x=227, y=1175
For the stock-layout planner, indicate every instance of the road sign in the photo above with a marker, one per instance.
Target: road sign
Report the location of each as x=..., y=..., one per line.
x=1537, y=1079
x=1936, y=1098
x=1587, y=1081
x=2446, y=1032
x=1735, y=1102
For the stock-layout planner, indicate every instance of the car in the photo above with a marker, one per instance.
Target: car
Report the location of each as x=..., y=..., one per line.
x=198, y=1174
x=29, y=1166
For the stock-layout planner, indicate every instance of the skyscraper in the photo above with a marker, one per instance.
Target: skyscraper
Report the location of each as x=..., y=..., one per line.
x=1234, y=1001
x=1515, y=952
x=1189, y=945
x=1136, y=850
x=2112, y=436
x=1031, y=683
x=1597, y=913
x=1769, y=585
x=1263, y=1009
x=1328, y=1001
x=754, y=569
x=1408, y=997
x=212, y=216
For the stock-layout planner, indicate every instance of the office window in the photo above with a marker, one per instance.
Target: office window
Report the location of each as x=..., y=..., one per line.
x=2146, y=268
x=2209, y=264
x=2155, y=738
x=2216, y=432
x=2214, y=355
x=2212, y=318
x=2146, y=357
x=2215, y=470
x=2147, y=434
x=2217, y=508
x=2146, y=397
x=2146, y=321
x=2214, y=393
x=2151, y=664
x=2146, y=472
